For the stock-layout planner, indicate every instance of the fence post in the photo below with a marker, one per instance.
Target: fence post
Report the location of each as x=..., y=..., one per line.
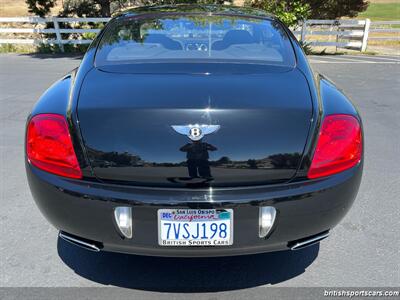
x=365, y=36
x=303, y=31
x=337, y=24
x=58, y=34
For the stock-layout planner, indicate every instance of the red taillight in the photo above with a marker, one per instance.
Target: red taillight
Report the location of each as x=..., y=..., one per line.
x=49, y=146
x=339, y=146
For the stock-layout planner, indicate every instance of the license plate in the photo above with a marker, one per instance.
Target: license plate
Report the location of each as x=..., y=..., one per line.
x=195, y=227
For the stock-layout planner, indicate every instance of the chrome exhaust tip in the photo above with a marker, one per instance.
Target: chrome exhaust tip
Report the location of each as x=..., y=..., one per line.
x=303, y=243
x=83, y=243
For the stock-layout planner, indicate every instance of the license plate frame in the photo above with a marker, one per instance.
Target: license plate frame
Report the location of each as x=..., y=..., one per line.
x=184, y=213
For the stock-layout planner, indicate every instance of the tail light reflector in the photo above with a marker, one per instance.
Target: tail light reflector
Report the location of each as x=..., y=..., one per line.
x=339, y=146
x=49, y=146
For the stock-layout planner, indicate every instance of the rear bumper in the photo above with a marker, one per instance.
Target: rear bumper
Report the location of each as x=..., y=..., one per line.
x=85, y=209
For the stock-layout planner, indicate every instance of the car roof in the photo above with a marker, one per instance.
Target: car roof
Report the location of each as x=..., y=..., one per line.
x=196, y=9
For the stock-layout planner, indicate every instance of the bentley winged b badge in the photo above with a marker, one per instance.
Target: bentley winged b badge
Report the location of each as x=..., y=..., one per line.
x=197, y=131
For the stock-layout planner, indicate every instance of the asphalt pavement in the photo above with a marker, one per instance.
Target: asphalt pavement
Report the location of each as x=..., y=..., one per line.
x=363, y=250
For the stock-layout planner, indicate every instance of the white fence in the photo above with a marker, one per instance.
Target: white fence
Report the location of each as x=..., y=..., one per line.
x=353, y=34
x=387, y=28
x=57, y=31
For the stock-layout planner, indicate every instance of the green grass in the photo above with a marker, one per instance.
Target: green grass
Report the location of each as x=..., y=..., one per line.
x=382, y=12
x=7, y=48
x=10, y=48
x=43, y=48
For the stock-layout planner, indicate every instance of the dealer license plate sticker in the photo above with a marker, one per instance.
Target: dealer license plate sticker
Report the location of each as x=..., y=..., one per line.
x=195, y=227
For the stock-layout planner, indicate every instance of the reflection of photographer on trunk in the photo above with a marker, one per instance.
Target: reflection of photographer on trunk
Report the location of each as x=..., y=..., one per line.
x=197, y=159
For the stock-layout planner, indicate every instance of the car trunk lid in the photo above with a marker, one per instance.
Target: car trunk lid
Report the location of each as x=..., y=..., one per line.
x=126, y=123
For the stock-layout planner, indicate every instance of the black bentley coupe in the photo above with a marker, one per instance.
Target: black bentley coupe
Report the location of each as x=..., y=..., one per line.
x=194, y=131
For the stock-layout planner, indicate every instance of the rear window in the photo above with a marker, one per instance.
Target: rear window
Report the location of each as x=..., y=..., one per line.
x=194, y=38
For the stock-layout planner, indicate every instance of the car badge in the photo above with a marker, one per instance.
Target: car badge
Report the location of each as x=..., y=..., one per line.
x=197, y=131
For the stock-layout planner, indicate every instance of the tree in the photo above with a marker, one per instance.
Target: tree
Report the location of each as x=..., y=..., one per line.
x=290, y=11
x=92, y=8
x=330, y=9
x=83, y=8
x=40, y=7
x=252, y=163
x=100, y=8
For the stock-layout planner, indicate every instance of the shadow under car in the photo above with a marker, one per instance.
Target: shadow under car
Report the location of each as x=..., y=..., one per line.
x=184, y=275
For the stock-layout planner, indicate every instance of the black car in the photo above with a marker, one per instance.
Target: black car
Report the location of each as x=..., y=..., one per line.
x=194, y=131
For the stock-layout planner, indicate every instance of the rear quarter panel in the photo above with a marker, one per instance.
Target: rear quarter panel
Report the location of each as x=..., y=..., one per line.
x=327, y=99
x=61, y=98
